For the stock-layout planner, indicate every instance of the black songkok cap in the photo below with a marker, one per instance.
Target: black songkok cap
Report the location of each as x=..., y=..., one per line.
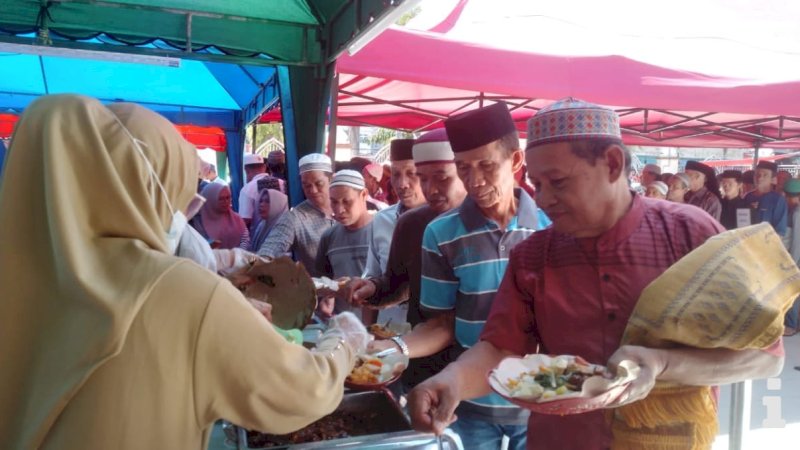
x=697, y=166
x=472, y=129
x=769, y=165
x=400, y=150
x=735, y=174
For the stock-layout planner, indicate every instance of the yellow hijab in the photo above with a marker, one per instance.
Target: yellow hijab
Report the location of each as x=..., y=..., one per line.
x=82, y=232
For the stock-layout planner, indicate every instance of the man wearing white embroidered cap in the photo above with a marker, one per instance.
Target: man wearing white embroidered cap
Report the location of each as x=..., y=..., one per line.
x=298, y=232
x=343, y=248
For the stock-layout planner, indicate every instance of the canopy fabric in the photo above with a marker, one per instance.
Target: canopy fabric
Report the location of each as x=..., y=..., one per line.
x=412, y=80
x=201, y=137
x=296, y=32
x=749, y=162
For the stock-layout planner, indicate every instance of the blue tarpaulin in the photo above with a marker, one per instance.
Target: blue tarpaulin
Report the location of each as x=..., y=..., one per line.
x=196, y=93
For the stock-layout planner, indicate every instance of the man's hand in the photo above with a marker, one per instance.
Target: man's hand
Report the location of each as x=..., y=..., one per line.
x=379, y=345
x=263, y=307
x=432, y=404
x=652, y=362
x=325, y=307
x=359, y=290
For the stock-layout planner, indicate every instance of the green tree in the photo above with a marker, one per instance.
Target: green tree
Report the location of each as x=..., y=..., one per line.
x=264, y=132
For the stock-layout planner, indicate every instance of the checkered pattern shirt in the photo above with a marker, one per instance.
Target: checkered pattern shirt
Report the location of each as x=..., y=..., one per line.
x=298, y=233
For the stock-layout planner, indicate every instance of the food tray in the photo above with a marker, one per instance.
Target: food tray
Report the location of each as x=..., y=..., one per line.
x=387, y=428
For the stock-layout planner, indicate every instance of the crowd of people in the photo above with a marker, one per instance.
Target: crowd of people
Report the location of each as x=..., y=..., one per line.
x=487, y=249
x=737, y=199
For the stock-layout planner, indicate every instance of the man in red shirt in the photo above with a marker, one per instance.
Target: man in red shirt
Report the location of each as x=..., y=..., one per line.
x=571, y=288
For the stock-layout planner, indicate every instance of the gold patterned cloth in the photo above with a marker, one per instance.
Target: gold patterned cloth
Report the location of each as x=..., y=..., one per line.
x=731, y=292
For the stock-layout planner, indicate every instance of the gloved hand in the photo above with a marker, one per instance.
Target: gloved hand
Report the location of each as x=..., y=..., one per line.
x=231, y=260
x=352, y=331
x=262, y=307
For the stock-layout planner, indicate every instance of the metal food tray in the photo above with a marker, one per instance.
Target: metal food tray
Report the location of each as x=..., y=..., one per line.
x=396, y=429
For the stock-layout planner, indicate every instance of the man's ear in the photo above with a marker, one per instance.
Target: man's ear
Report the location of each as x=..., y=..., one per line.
x=615, y=161
x=517, y=160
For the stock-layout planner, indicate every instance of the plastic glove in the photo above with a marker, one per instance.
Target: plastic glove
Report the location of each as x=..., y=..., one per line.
x=352, y=331
x=231, y=260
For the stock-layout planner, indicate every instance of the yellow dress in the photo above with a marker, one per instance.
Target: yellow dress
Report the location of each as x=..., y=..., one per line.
x=107, y=340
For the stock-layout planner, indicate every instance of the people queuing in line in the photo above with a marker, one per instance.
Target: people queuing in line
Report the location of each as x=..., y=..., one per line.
x=272, y=205
x=465, y=250
x=657, y=189
x=298, y=232
x=791, y=189
x=650, y=174
x=748, y=182
x=703, y=188
x=464, y=253
x=218, y=222
x=343, y=248
x=276, y=163
x=401, y=280
x=373, y=174
x=780, y=180
x=733, y=202
x=407, y=186
x=768, y=205
x=678, y=188
x=257, y=178
x=570, y=289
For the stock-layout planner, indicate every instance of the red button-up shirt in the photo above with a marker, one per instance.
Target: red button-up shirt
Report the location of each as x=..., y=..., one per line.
x=574, y=296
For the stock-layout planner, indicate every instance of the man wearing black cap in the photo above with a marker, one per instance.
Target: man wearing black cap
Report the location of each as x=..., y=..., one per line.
x=406, y=183
x=434, y=159
x=748, y=182
x=732, y=200
x=768, y=205
x=464, y=254
x=703, y=188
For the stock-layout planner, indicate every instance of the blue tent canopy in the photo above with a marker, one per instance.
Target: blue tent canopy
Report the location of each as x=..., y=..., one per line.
x=197, y=93
x=204, y=92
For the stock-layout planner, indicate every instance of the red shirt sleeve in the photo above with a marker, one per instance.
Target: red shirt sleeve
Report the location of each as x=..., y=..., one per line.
x=511, y=324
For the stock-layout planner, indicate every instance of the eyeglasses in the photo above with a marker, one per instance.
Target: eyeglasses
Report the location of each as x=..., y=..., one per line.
x=195, y=205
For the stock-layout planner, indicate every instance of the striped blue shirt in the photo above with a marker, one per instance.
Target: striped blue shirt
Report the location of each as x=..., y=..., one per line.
x=464, y=257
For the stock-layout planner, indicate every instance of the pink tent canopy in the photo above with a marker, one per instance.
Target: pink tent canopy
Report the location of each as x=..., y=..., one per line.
x=412, y=80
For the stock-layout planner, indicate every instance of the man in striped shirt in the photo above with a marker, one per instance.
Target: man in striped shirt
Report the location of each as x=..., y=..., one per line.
x=464, y=255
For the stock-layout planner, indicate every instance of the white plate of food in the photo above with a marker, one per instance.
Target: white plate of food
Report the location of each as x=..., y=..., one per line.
x=374, y=372
x=564, y=384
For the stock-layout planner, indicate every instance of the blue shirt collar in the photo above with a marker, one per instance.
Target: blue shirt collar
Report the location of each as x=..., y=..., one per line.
x=473, y=217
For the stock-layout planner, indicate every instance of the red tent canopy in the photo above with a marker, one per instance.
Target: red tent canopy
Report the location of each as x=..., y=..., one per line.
x=204, y=137
x=7, y=122
x=201, y=137
x=412, y=80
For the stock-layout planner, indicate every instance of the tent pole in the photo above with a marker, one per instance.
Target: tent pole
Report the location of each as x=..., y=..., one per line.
x=334, y=112
x=756, y=146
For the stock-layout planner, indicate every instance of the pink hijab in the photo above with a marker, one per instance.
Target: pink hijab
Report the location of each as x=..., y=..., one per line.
x=223, y=225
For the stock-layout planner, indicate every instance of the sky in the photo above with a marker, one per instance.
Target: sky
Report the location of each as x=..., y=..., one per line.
x=755, y=40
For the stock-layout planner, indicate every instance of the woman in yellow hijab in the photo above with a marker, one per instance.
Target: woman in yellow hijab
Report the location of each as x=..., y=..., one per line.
x=107, y=340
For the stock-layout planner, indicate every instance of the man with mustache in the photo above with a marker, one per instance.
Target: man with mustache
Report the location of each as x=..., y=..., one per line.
x=444, y=191
x=406, y=184
x=299, y=230
x=571, y=288
x=464, y=254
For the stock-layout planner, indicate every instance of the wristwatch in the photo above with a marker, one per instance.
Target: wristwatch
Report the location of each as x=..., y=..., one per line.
x=401, y=343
